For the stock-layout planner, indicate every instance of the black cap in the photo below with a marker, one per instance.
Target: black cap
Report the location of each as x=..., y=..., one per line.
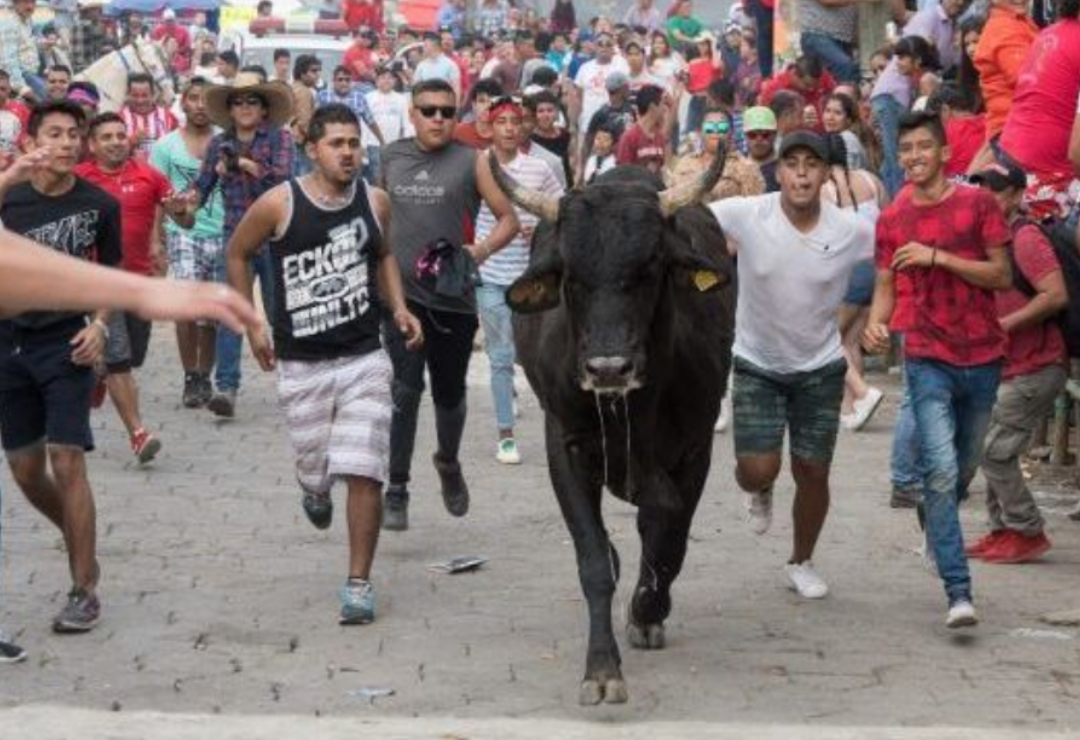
x=805, y=140
x=1000, y=176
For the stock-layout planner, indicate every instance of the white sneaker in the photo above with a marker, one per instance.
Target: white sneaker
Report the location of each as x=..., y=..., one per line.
x=864, y=409
x=723, y=420
x=961, y=614
x=759, y=511
x=507, y=452
x=804, y=579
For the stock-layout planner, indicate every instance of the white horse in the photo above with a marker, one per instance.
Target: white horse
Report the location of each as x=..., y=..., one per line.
x=110, y=73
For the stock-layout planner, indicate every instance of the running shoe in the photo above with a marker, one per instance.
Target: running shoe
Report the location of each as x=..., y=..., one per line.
x=805, y=580
x=1013, y=547
x=507, y=452
x=864, y=410
x=319, y=508
x=10, y=652
x=223, y=403
x=984, y=544
x=961, y=614
x=357, y=602
x=192, y=396
x=759, y=510
x=455, y=492
x=80, y=614
x=145, y=446
x=396, y=509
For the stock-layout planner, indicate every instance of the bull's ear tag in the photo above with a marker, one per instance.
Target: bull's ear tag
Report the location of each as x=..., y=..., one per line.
x=705, y=280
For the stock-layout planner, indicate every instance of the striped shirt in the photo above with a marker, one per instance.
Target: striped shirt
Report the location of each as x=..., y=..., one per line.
x=507, y=265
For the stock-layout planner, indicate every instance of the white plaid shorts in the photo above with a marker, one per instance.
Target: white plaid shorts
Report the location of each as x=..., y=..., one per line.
x=196, y=257
x=338, y=417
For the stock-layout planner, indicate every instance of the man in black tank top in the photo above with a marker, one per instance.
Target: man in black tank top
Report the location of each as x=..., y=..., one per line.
x=328, y=245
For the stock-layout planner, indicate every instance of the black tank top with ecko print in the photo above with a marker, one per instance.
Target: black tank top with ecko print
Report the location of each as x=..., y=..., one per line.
x=326, y=301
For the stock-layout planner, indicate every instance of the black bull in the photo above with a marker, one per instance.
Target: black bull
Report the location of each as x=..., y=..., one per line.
x=624, y=322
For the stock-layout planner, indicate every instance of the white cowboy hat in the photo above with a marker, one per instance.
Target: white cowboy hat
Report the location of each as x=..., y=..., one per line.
x=278, y=97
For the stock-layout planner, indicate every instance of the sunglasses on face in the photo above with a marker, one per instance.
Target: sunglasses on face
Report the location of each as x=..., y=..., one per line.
x=504, y=100
x=715, y=127
x=759, y=134
x=605, y=44
x=245, y=100
x=446, y=111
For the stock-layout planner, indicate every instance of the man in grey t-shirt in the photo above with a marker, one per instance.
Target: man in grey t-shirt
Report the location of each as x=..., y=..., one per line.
x=828, y=33
x=435, y=188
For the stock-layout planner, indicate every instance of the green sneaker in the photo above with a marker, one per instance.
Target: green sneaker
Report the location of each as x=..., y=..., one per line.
x=357, y=602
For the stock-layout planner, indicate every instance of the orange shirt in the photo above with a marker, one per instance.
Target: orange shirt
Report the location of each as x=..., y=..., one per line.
x=999, y=57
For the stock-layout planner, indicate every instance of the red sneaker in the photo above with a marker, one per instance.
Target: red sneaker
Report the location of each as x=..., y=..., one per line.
x=987, y=543
x=145, y=446
x=1017, y=548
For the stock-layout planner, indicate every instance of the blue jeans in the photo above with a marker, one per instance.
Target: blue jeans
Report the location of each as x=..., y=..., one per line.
x=763, y=19
x=495, y=317
x=301, y=163
x=229, y=343
x=905, y=447
x=836, y=56
x=952, y=408
x=887, y=112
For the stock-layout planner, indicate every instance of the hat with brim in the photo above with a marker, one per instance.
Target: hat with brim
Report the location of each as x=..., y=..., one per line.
x=1000, y=176
x=276, y=95
x=807, y=140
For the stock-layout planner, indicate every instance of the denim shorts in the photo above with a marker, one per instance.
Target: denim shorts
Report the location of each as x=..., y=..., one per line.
x=860, y=290
x=44, y=396
x=806, y=404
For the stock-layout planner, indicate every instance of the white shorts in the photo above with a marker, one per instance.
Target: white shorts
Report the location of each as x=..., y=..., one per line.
x=338, y=417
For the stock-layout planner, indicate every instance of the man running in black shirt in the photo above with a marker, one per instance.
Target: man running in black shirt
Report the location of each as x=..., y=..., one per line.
x=332, y=264
x=46, y=357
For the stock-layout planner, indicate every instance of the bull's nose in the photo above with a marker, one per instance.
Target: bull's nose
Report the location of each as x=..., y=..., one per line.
x=609, y=371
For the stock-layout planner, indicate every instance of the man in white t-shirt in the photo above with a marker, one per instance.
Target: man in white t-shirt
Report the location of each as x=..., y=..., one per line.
x=391, y=111
x=436, y=65
x=590, y=84
x=796, y=254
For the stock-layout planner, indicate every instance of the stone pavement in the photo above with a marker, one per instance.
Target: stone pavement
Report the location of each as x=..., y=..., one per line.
x=220, y=600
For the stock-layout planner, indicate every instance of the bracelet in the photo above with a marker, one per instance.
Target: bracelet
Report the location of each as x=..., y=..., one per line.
x=103, y=326
x=933, y=257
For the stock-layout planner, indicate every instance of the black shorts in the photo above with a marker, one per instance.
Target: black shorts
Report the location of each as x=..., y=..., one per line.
x=129, y=338
x=44, y=396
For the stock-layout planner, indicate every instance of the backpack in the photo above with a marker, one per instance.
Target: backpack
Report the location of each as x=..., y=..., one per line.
x=1062, y=238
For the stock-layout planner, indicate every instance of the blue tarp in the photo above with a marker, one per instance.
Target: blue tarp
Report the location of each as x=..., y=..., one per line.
x=151, y=7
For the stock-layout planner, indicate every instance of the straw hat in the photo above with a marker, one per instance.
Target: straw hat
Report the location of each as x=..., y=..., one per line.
x=278, y=97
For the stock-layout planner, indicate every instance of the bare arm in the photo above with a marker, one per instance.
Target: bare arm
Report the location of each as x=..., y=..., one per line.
x=993, y=273
x=389, y=278
x=506, y=227
x=876, y=335
x=39, y=278
x=1050, y=298
x=257, y=226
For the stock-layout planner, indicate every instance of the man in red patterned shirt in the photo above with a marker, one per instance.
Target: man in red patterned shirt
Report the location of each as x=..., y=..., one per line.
x=1033, y=376
x=941, y=254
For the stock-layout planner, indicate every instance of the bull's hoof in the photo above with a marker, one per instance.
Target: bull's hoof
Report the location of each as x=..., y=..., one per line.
x=645, y=636
x=611, y=691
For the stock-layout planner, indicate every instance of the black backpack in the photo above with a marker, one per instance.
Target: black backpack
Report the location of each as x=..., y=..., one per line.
x=1063, y=239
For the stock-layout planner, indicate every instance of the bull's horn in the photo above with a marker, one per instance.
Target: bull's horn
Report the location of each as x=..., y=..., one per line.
x=542, y=206
x=680, y=196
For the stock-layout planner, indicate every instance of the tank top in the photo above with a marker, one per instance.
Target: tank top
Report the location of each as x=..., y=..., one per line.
x=324, y=267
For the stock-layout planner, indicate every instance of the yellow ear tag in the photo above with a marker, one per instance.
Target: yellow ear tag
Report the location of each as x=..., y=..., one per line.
x=705, y=279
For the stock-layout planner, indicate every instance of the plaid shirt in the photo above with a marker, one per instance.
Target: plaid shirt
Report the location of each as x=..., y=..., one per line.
x=944, y=317
x=18, y=50
x=272, y=149
x=355, y=99
x=88, y=42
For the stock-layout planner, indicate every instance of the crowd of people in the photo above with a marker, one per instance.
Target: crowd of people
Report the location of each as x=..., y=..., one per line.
x=914, y=200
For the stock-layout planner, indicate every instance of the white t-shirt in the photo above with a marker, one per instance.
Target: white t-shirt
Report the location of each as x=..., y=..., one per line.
x=440, y=68
x=791, y=284
x=391, y=111
x=592, y=79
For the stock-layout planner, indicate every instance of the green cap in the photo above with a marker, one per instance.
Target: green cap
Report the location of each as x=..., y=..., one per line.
x=759, y=118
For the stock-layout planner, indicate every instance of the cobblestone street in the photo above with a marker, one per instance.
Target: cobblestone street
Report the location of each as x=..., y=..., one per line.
x=219, y=597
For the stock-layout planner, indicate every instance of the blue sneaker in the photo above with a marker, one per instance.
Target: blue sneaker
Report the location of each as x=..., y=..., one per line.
x=357, y=602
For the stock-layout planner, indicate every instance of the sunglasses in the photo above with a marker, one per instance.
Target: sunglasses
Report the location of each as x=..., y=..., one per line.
x=446, y=111
x=605, y=44
x=760, y=134
x=504, y=100
x=245, y=100
x=715, y=127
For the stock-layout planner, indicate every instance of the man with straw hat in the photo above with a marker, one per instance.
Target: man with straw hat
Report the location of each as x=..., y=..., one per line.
x=252, y=155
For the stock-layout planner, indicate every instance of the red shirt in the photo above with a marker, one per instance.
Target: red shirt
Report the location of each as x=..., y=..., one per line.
x=358, y=58
x=700, y=74
x=966, y=136
x=1041, y=345
x=1040, y=120
x=639, y=147
x=943, y=317
x=139, y=188
x=368, y=14
x=785, y=81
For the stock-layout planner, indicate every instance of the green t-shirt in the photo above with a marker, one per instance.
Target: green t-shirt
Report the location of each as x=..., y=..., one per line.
x=170, y=156
x=688, y=27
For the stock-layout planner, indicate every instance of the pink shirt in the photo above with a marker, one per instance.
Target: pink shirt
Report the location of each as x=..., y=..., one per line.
x=1037, y=129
